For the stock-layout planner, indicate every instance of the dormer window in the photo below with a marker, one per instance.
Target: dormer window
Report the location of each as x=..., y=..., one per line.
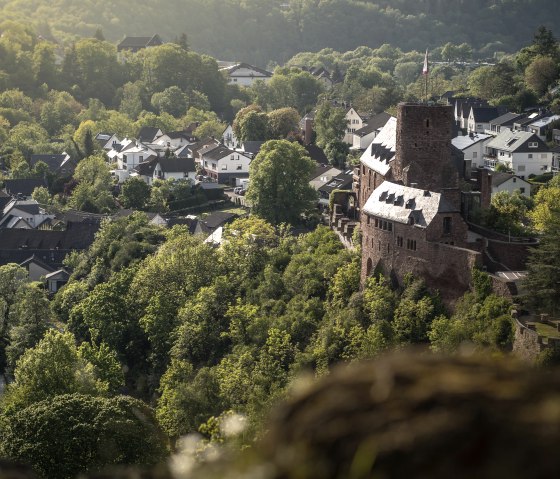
x=533, y=144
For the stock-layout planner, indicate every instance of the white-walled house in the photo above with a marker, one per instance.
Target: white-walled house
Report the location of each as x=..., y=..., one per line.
x=107, y=141
x=225, y=165
x=133, y=154
x=473, y=147
x=510, y=183
x=165, y=169
x=354, y=122
x=243, y=74
x=20, y=213
x=481, y=116
x=521, y=151
x=363, y=137
x=228, y=137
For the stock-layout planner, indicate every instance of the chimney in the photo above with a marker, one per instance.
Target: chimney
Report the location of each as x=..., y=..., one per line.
x=308, y=131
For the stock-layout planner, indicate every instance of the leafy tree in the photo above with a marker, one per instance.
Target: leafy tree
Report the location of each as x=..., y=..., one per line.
x=210, y=128
x=544, y=42
x=543, y=279
x=134, y=193
x=330, y=124
x=279, y=190
x=541, y=74
x=546, y=203
x=171, y=100
x=41, y=195
x=71, y=434
x=507, y=213
x=93, y=192
x=283, y=122
x=253, y=127
x=492, y=82
x=51, y=368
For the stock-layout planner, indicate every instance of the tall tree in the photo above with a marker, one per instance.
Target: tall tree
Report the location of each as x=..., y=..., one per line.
x=279, y=190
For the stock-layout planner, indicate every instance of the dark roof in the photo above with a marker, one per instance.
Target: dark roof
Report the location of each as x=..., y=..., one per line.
x=54, y=162
x=28, y=207
x=319, y=170
x=199, y=145
x=24, y=186
x=499, y=178
x=316, y=154
x=125, y=213
x=340, y=182
x=485, y=114
x=146, y=168
x=139, y=42
x=179, y=134
x=374, y=123
x=218, y=153
x=173, y=164
x=217, y=219
x=75, y=216
x=34, y=259
x=517, y=141
x=148, y=133
x=252, y=147
x=506, y=119
x=234, y=68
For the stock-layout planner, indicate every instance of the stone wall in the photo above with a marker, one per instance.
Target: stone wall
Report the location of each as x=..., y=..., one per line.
x=423, y=147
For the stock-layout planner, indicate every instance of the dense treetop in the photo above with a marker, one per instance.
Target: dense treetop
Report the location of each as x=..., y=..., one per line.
x=259, y=31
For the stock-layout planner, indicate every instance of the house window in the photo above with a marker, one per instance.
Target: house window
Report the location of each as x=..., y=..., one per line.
x=124, y=158
x=522, y=191
x=400, y=241
x=239, y=167
x=533, y=144
x=214, y=166
x=205, y=163
x=514, y=179
x=447, y=225
x=475, y=154
x=521, y=168
x=543, y=156
x=224, y=166
x=530, y=155
x=140, y=159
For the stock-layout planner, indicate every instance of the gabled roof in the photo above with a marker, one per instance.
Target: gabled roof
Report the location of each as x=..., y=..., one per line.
x=374, y=123
x=139, y=42
x=401, y=203
x=465, y=141
x=252, y=147
x=218, y=218
x=500, y=178
x=24, y=186
x=516, y=140
x=146, y=168
x=485, y=114
x=177, y=165
x=382, y=149
x=27, y=206
x=219, y=152
x=343, y=181
x=507, y=119
x=148, y=134
x=316, y=154
x=231, y=70
x=54, y=162
x=37, y=261
x=173, y=135
x=61, y=275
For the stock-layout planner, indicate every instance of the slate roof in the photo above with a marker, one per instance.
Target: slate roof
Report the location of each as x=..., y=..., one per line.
x=139, y=42
x=252, y=147
x=174, y=165
x=28, y=206
x=500, y=178
x=24, y=186
x=400, y=203
x=238, y=66
x=218, y=153
x=146, y=168
x=54, y=162
x=316, y=154
x=507, y=119
x=513, y=141
x=485, y=114
x=148, y=133
x=464, y=141
x=215, y=220
x=35, y=259
x=343, y=181
x=375, y=122
x=382, y=149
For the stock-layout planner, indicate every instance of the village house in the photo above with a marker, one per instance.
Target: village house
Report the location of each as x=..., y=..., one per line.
x=243, y=74
x=510, y=183
x=363, y=137
x=134, y=44
x=61, y=164
x=354, y=122
x=163, y=168
x=503, y=122
x=473, y=147
x=23, y=214
x=522, y=152
x=226, y=166
x=481, y=116
x=106, y=141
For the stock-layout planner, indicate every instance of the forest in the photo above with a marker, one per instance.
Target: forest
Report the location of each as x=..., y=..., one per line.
x=272, y=31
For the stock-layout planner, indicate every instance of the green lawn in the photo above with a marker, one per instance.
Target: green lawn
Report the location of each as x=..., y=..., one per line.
x=547, y=331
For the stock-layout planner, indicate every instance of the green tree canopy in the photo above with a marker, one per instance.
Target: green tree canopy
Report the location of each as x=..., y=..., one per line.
x=279, y=190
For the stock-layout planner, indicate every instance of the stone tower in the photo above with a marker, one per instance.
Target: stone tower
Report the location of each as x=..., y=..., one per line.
x=423, y=156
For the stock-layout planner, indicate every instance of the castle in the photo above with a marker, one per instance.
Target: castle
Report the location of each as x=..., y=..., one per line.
x=414, y=195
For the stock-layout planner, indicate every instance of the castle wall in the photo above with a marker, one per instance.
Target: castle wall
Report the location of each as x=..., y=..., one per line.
x=443, y=267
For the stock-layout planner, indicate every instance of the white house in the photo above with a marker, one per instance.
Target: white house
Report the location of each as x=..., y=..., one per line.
x=539, y=127
x=473, y=147
x=510, y=183
x=133, y=154
x=228, y=137
x=23, y=214
x=107, y=141
x=354, y=122
x=243, y=74
x=226, y=166
x=165, y=169
x=363, y=137
x=521, y=151
x=322, y=175
x=481, y=116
